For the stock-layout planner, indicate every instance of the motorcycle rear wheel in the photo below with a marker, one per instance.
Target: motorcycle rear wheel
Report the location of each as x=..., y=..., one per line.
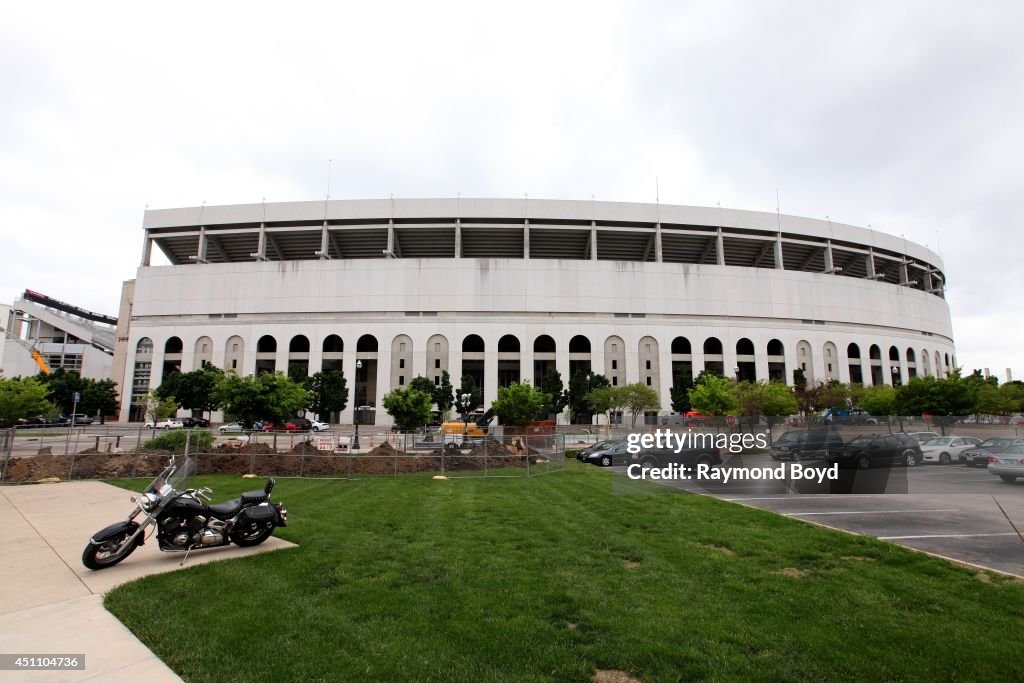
x=250, y=537
x=101, y=555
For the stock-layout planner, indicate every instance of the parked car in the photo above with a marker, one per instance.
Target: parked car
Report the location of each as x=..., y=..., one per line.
x=169, y=423
x=616, y=454
x=805, y=444
x=873, y=450
x=231, y=427
x=978, y=455
x=582, y=453
x=78, y=420
x=923, y=437
x=688, y=456
x=190, y=422
x=945, y=449
x=848, y=417
x=1008, y=464
x=303, y=424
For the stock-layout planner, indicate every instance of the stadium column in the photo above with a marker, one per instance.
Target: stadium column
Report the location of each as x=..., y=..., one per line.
x=348, y=367
x=729, y=356
x=844, y=363
x=526, y=360
x=779, y=263
x=458, y=238
x=697, y=359
x=562, y=356
x=593, y=240
x=201, y=251
x=316, y=355
x=383, y=384
x=789, y=352
x=490, y=371
x=147, y=249
x=760, y=359
x=665, y=378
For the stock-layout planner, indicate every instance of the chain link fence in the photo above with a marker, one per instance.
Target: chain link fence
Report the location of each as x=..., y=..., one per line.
x=121, y=453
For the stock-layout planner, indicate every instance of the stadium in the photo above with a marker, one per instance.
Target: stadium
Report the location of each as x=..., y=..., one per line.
x=505, y=289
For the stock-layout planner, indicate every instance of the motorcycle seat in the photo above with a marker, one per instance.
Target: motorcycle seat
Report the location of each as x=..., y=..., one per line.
x=227, y=509
x=251, y=497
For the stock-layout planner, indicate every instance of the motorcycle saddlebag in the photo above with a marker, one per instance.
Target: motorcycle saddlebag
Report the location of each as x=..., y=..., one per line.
x=258, y=514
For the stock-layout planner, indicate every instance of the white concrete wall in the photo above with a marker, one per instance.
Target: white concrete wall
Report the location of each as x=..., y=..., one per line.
x=527, y=299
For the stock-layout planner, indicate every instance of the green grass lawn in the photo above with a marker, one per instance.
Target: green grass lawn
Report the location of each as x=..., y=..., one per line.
x=554, y=577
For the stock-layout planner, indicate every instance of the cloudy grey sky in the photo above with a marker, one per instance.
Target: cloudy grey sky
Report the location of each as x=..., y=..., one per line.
x=906, y=116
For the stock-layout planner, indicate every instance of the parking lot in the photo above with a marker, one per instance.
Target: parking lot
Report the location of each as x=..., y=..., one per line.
x=944, y=510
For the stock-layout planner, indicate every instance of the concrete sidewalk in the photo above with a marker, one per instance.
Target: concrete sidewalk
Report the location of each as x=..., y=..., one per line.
x=51, y=604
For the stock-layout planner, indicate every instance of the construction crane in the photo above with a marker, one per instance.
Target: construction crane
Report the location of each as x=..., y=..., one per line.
x=41, y=362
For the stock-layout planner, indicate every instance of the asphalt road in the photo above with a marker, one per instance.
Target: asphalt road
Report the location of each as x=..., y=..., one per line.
x=944, y=510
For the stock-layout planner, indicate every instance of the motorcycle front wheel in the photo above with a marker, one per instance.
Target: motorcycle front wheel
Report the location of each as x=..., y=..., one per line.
x=103, y=555
x=251, y=536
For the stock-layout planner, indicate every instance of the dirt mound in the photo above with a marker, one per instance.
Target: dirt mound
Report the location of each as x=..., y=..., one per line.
x=87, y=466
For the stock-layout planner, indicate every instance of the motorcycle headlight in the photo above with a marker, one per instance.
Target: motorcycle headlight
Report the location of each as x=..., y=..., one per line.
x=148, y=501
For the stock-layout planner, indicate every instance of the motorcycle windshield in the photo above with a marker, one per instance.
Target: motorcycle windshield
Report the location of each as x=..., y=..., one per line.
x=173, y=478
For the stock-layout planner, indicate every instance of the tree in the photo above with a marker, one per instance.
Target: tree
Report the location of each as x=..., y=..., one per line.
x=778, y=401
x=638, y=399
x=606, y=399
x=467, y=387
x=22, y=398
x=328, y=393
x=879, y=400
x=409, y=407
x=444, y=395
x=713, y=395
x=61, y=387
x=298, y=373
x=270, y=396
x=519, y=404
x=944, y=399
x=580, y=386
x=98, y=396
x=680, y=392
x=551, y=384
x=193, y=390
x=1013, y=395
x=159, y=407
x=422, y=385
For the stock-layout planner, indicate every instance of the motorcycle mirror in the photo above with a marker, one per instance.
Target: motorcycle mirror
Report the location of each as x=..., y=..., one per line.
x=269, y=487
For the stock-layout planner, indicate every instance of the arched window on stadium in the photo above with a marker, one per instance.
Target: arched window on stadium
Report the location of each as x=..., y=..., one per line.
x=508, y=360
x=203, y=355
x=172, y=357
x=911, y=364
x=401, y=361
x=234, y=354
x=615, y=360
x=543, y=358
x=364, y=389
x=776, y=361
x=141, y=374
x=682, y=360
x=714, y=361
x=298, y=357
x=745, y=361
x=875, y=356
x=473, y=364
x=805, y=361
x=854, y=361
x=831, y=360
x=926, y=368
x=946, y=367
x=266, y=354
x=650, y=367
x=579, y=356
x=938, y=365
x=437, y=358
x=333, y=353
x=894, y=366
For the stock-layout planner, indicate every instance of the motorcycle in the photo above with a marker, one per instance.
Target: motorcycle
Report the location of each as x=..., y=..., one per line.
x=184, y=521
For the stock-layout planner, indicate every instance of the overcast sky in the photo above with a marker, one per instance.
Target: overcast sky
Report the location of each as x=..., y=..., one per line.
x=908, y=116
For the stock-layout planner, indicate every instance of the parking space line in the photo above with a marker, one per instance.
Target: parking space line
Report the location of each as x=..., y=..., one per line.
x=808, y=496
x=902, y=538
x=859, y=512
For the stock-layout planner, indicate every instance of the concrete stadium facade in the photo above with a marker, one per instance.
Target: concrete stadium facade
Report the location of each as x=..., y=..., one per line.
x=504, y=289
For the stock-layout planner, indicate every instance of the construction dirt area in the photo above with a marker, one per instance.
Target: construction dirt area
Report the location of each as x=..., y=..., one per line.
x=262, y=459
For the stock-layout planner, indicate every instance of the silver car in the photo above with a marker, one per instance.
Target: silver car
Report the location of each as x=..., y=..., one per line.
x=946, y=449
x=1008, y=464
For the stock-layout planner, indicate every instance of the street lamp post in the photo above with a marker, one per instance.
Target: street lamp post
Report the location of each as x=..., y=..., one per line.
x=736, y=372
x=464, y=404
x=357, y=410
x=895, y=376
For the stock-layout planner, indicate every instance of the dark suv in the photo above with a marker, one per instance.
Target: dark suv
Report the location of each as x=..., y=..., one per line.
x=806, y=444
x=873, y=450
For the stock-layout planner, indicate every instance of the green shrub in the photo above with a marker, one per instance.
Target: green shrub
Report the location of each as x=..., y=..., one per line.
x=175, y=440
